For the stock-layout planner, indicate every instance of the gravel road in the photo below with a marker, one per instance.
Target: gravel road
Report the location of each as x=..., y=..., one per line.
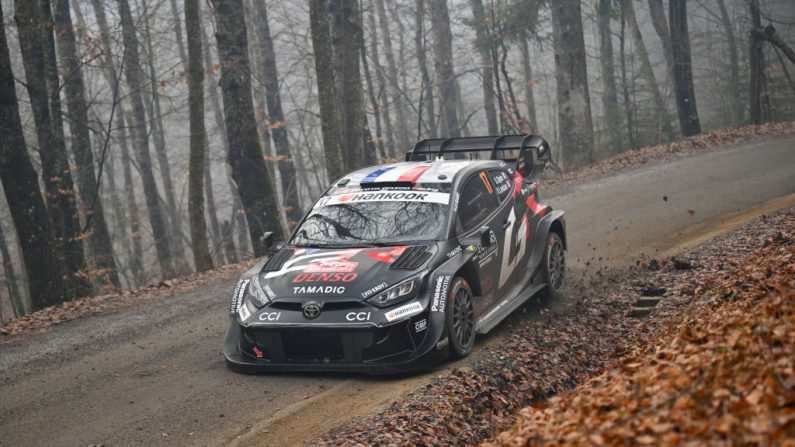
x=154, y=374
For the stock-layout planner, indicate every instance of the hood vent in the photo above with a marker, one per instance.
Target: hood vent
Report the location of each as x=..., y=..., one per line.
x=276, y=261
x=412, y=258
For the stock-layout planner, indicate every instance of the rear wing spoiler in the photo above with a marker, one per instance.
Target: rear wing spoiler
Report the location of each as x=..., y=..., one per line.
x=533, y=150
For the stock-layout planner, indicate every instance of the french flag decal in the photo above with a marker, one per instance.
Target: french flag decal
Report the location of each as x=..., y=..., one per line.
x=375, y=174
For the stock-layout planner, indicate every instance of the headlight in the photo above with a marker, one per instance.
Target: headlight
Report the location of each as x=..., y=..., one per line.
x=397, y=293
x=256, y=294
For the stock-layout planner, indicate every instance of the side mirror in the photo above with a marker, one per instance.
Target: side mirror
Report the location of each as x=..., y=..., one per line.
x=533, y=158
x=271, y=244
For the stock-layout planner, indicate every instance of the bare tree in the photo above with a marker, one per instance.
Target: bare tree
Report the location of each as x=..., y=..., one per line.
x=484, y=45
x=23, y=196
x=74, y=89
x=245, y=153
x=610, y=95
x=574, y=106
x=41, y=75
x=443, y=63
x=646, y=70
x=276, y=122
x=658, y=19
x=198, y=143
x=683, y=70
x=135, y=81
x=426, y=106
x=401, y=127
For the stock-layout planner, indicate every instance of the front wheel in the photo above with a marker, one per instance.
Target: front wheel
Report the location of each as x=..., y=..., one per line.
x=555, y=266
x=460, y=319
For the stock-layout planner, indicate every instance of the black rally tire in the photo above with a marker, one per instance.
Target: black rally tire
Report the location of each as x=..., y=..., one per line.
x=554, y=266
x=460, y=321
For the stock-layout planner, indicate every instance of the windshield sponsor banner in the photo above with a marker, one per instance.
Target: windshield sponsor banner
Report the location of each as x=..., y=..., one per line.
x=403, y=311
x=384, y=196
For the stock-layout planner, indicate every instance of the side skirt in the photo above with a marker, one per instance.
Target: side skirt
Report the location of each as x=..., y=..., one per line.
x=503, y=308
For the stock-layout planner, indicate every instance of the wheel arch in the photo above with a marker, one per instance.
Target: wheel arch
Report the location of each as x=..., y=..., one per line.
x=469, y=273
x=558, y=227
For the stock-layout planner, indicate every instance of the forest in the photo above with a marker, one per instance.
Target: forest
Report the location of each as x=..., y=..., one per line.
x=143, y=140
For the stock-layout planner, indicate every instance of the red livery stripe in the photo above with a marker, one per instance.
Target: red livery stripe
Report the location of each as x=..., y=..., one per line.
x=412, y=174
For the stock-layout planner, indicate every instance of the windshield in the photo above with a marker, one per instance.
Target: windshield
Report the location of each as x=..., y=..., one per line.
x=374, y=218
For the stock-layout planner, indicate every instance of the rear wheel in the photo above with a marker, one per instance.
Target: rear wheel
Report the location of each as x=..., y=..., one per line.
x=555, y=266
x=460, y=319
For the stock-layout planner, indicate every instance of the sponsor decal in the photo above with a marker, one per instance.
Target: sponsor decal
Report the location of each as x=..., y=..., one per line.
x=488, y=253
x=502, y=188
x=269, y=292
x=257, y=352
x=514, y=243
x=244, y=313
x=331, y=266
x=485, y=179
x=237, y=295
x=501, y=182
x=358, y=316
x=457, y=199
x=306, y=290
x=454, y=252
x=471, y=249
x=325, y=277
x=306, y=256
x=384, y=196
x=440, y=294
x=492, y=311
x=442, y=343
x=403, y=311
x=373, y=290
x=270, y=316
x=420, y=325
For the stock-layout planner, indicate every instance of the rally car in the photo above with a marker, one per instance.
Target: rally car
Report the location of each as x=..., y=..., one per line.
x=397, y=267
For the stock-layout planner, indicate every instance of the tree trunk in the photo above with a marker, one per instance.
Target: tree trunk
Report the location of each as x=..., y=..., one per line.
x=159, y=133
x=22, y=194
x=661, y=112
x=628, y=109
x=41, y=73
x=443, y=63
x=401, y=128
x=660, y=23
x=426, y=104
x=245, y=153
x=757, y=66
x=346, y=34
x=382, y=99
x=683, y=71
x=610, y=95
x=331, y=128
x=483, y=45
x=122, y=120
x=228, y=233
x=734, y=63
x=11, y=279
x=527, y=68
x=574, y=107
x=768, y=33
x=74, y=89
x=198, y=142
x=136, y=83
x=277, y=123
x=183, y=58
x=374, y=103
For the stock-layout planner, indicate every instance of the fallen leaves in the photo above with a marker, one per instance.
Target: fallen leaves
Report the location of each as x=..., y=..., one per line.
x=724, y=373
x=49, y=316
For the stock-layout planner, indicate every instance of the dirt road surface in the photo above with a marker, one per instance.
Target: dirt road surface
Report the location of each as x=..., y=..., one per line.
x=154, y=374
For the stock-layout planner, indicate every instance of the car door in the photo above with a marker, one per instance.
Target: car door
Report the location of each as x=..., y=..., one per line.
x=480, y=206
x=514, y=224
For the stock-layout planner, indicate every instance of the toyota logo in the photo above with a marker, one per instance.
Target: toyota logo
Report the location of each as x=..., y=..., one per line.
x=311, y=310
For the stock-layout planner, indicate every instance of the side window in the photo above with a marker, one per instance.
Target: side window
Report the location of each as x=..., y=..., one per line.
x=478, y=200
x=502, y=183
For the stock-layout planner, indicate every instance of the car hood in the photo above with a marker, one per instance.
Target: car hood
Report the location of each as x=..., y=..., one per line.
x=340, y=274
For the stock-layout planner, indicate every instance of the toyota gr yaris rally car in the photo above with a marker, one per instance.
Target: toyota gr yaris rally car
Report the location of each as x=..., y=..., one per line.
x=399, y=266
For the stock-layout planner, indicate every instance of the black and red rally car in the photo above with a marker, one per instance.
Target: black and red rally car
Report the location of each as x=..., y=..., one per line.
x=397, y=267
